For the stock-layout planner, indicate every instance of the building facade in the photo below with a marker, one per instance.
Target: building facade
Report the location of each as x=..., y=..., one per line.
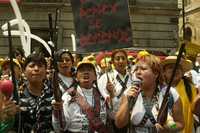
x=35, y=12
x=192, y=13
x=192, y=25
x=154, y=23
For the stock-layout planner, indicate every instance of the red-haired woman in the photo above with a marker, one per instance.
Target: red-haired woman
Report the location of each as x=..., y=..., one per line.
x=147, y=101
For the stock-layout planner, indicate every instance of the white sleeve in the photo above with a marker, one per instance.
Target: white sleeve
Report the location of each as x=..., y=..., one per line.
x=67, y=114
x=174, y=94
x=56, y=121
x=194, y=77
x=102, y=82
x=66, y=97
x=73, y=116
x=56, y=118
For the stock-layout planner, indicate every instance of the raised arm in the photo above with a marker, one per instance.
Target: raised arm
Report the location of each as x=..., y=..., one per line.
x=177, y=114
x=122, y=116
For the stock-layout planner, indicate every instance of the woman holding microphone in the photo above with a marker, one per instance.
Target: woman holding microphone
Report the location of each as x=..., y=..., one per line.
x=147, y=99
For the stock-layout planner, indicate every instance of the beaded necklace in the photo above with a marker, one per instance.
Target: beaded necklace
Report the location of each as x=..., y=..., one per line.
x=148, y=105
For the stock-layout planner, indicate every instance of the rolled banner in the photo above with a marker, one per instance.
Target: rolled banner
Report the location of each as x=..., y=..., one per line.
x=27, y=30
x=73, y=42
x=17, y=33
x=20, y=25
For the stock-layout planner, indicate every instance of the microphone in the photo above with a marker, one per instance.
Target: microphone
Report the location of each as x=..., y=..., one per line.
x=136, y=83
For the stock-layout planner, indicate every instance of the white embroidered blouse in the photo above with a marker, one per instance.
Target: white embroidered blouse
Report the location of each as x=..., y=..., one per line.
x=76, y=120
x=138, y=110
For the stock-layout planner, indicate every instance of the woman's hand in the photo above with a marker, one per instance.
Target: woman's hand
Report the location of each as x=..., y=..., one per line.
x=161, y=129
x=133, y=92
x=110, y=89
x=11, y=108
x=57, y=105
x=8, y=109
x=5, y=77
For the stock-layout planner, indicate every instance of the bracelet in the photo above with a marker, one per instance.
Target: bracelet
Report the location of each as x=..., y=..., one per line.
x=173, y=126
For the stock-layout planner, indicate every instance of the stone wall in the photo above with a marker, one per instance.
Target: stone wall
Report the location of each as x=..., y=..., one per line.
x=154, y=23
x=192, y=13
x=36, y=15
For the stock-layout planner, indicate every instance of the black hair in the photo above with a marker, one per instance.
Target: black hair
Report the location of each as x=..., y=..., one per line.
x=188, y=88
x=79, y=56
x=18, y=51
x=89, y=65
x=73, y=71
x=60, y=52
x=114, y=52
x=35, y=57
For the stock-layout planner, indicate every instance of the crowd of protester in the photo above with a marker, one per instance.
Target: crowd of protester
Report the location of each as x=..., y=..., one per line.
x=111, y=93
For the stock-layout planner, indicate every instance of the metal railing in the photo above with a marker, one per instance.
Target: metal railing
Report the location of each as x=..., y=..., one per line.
x=131, y=2
x=44, y=1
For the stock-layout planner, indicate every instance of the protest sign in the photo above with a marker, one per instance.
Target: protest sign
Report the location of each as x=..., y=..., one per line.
x=101, y=24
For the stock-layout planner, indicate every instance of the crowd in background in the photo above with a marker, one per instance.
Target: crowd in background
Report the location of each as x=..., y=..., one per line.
x=108, y=92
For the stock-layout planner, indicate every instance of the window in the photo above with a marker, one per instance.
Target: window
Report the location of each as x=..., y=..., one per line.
x=188, y=33
x=44, y=34
x=187, y=2
x=132, y=2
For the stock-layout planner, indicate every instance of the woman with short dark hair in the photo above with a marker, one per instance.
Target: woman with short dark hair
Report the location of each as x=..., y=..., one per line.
x=113, y=84
x=84, y=108
x=35, y=101
x=66, y=71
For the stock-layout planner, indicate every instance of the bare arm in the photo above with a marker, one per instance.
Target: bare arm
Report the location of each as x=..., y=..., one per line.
x=177, y=114
x=122, y=115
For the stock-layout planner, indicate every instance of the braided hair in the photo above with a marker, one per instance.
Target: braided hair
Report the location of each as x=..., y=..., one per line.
x=188, y=87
